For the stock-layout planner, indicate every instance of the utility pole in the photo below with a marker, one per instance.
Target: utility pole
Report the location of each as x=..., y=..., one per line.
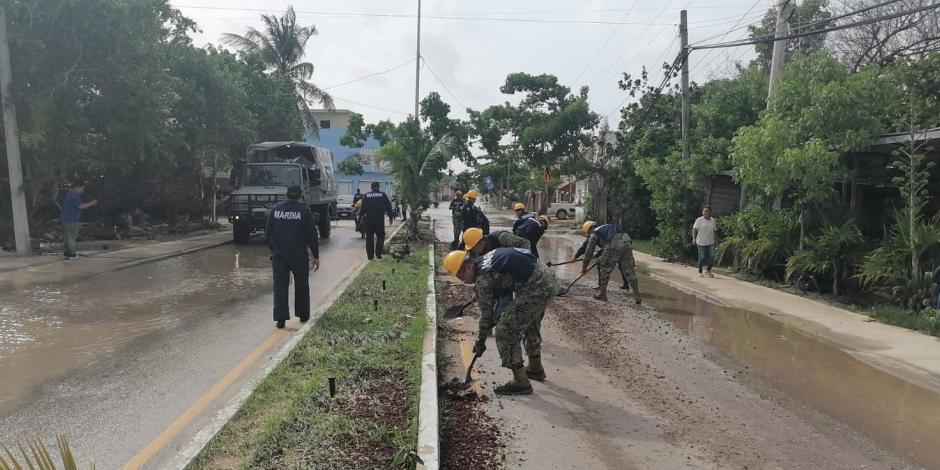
x=776, y=66
x=780, y=48
x=17, y=196
x=418, y=64
x=684, y=38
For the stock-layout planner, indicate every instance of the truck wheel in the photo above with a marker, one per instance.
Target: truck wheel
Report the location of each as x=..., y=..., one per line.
x=241, y=232
x=561, y=214
x=323, y=221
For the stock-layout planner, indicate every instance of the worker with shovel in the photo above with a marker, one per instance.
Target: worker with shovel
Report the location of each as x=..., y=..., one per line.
x=617, y=249
x=532, y=230
x=533, y=286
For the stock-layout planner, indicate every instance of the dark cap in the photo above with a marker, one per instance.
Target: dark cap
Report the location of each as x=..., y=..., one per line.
x=294, y=191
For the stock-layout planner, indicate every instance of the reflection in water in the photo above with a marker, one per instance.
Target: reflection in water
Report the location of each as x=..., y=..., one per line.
x=901, y=414
x=47, y=329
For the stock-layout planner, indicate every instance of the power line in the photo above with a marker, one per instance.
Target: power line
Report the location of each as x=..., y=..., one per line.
x=662, y=85
x=606, y=42
x=336, y=98
x=626, y=49
x=370, y=75
x=729, y=31
x=772, y=38
x=411, y=16
x=452, y=95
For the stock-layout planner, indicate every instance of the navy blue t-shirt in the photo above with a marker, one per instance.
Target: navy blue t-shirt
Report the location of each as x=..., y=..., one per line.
x=516, y=262
x=530, y=229
x=70, y=208
x=606, y=232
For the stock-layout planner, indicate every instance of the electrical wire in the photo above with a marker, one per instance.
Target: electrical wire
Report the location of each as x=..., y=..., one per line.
x=606, y=42
x=773, y=38
x=369, y=75
x=626, y=49
x=337, y=98
x=441, y=82
x=728, y=32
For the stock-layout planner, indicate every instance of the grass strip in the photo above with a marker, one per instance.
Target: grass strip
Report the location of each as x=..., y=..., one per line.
x=374, y=352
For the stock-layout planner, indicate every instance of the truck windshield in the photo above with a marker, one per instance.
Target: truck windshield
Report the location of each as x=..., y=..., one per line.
x=272, y=175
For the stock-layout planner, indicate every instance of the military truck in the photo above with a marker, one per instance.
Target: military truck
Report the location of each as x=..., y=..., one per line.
x=262, y=178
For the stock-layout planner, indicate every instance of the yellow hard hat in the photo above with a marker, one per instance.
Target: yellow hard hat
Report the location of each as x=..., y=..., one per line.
x=518, y=206
x=587, y=226
x=545, y=218
x=458, y=193
x=453, y=261
x=472, y=194
x=471, y=237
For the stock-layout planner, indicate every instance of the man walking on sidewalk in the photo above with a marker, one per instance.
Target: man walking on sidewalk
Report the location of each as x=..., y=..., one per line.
x=289, y=232
x=375, y=206
x=509, y=271
x=705, y=239
x=71, y=212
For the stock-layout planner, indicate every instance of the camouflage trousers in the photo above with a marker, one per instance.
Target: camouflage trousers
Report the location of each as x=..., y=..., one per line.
x=458, y=227
x=618, y=251
x=522, y=320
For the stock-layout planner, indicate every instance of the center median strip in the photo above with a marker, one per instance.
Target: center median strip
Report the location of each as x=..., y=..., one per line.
x=370, y=343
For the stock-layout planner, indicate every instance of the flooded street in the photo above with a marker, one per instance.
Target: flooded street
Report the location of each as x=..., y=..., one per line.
x=49, y=329
x=727, y=387
x=116, y=360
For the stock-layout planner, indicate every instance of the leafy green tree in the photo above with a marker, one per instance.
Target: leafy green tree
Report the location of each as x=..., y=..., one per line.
x=804, y=17
x=834, y=253
x=281, y=47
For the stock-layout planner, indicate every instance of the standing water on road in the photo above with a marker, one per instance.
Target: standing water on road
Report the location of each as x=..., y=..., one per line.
x=49, y=329
x=902, y=414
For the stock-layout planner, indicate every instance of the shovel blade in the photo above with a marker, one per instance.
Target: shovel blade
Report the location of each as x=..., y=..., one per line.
x=455, y=311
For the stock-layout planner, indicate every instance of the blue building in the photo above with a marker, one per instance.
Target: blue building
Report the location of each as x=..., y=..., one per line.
x=332, y=128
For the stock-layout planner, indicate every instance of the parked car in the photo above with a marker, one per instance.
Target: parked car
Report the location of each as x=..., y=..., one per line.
x=562, y=210
x=344, y=206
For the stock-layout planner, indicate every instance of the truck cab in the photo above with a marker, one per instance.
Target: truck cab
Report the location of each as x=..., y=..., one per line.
x=262, y=178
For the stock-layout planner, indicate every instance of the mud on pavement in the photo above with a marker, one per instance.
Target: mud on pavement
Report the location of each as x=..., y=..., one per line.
x=703, y=401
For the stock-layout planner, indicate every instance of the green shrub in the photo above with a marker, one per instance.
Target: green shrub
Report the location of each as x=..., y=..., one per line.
x=927, y=320
x=760, y=240
x=831, y=254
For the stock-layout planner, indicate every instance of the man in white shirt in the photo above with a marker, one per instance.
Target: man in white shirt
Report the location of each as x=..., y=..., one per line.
x=706, y=239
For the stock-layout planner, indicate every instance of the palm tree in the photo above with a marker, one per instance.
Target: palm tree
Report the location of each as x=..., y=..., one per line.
x=281, y=47
x=416, y=161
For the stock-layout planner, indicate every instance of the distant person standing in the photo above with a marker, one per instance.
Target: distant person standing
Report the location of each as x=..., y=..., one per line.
x=71, y=212
x=357, y=196
x=290, y=231
x=455, y=205
x=706, y=238
x=471, y=215
x=375, y=206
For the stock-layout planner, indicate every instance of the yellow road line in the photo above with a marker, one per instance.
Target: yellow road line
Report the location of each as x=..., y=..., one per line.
x=466, y=356
x=215, y=392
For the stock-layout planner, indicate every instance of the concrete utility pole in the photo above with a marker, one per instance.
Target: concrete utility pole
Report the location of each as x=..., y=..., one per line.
x=780, y=47
x=418, y=63
x=684, y=38
x=17, y=196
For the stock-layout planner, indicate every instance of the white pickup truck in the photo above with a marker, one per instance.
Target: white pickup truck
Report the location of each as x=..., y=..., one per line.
x=562, y=210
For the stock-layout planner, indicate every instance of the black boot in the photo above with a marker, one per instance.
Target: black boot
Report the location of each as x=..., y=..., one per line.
x=280, y=323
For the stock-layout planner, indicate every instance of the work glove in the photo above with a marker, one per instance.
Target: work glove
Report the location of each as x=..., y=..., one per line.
x=480, y=346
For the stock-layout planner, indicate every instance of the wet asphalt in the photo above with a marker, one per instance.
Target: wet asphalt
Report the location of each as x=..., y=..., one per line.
x=112, y=360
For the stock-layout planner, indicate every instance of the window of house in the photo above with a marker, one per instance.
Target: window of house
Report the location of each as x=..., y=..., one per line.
x=325, y=124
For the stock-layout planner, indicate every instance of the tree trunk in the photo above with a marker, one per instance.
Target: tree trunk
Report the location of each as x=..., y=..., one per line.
x=835, y=279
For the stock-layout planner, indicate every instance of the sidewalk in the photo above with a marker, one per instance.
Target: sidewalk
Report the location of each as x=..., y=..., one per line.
x=912, y=355
x=17, y=271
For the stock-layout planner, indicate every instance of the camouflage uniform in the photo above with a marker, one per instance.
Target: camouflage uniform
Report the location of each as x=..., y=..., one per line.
x=504, y=238
x=522, y=319
x=617, y=250
x=457, y=219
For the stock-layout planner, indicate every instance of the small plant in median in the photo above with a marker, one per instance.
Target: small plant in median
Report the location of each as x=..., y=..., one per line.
x=290, y=421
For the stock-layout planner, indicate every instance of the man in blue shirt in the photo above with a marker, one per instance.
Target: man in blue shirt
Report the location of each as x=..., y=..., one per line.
x=71, y=211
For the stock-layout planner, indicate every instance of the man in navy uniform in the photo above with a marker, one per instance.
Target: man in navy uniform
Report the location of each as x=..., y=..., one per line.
x=375, y=206
x=290, y=231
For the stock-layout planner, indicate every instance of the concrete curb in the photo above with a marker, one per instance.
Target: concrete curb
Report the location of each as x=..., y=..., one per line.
x=185, y=456
x=428, y=413
x=688, y=290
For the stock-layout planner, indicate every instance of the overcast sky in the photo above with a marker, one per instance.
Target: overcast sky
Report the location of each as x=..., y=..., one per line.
x=472, y=46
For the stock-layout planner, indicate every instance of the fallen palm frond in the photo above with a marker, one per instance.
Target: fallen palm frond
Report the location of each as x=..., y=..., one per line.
x=38, y=456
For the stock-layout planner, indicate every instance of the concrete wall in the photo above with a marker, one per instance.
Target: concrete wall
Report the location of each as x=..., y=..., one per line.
x=329, y=139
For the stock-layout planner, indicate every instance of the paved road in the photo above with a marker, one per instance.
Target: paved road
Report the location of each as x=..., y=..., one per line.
x=629, y=388
x=113, y=360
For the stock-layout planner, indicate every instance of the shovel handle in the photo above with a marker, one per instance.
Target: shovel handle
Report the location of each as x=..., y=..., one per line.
x=564, y=262
x=576, y=280
x=470, y=368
